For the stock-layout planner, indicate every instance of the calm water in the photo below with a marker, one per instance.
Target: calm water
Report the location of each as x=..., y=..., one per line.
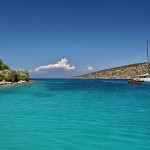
x=75, y=114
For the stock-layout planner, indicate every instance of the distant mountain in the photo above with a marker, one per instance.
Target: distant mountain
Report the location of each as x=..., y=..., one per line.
x=127, y=71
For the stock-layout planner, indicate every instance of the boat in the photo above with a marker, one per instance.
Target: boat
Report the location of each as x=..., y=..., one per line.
x=144, y=77
x=135, y=81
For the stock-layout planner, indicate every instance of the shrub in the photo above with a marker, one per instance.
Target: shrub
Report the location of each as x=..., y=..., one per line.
x=11, y=76
x=23, y=75
x=1, y=77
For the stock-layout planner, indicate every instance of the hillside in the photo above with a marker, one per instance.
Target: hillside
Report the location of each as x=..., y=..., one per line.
x=8, y=75
x=127, y=71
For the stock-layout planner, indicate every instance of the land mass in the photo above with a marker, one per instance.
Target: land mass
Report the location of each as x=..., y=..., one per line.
x=127, y=71
x=8, y=76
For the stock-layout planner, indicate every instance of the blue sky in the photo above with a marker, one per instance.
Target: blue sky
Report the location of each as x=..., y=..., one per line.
x=89, y=33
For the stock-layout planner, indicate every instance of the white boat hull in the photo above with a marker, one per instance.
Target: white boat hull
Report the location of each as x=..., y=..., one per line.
x=145, y=79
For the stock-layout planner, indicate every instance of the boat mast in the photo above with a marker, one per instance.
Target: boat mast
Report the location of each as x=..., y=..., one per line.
x=147, y=57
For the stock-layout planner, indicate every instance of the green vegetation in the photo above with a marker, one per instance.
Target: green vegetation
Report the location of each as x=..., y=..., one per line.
x=11, y=75
x=127, y=71
x=3, y=65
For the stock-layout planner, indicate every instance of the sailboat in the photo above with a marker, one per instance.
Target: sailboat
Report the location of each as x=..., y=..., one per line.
x=144, y=77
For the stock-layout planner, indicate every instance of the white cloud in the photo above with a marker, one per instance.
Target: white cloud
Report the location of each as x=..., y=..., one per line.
x=90, y=68
x=62, y=64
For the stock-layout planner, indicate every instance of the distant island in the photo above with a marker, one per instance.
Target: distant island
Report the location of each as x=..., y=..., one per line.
x=127, y=71
x=8, y=76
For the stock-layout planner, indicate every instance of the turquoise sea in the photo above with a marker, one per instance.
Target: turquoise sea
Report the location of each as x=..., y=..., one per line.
x=75, y=114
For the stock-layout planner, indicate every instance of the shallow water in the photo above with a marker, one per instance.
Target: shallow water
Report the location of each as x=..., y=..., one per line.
x=75, y=114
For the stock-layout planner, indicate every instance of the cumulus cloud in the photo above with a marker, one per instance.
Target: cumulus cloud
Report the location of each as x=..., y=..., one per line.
x=62, y=64
x=90, y=68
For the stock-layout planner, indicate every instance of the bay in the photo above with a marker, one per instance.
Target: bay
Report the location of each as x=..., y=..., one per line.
x=75, y=114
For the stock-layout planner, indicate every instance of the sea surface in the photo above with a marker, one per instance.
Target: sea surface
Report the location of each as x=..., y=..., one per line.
x=75, y=114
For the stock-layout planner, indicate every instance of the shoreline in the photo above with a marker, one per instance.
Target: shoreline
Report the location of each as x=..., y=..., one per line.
x=4, y=83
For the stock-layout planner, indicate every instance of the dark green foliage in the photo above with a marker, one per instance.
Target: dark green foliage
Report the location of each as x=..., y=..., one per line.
x=11, y=75
x=23, y=75
x=1, y=77
x=3, y=65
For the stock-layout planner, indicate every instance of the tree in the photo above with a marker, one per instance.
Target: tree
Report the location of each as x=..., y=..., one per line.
x=3, y=65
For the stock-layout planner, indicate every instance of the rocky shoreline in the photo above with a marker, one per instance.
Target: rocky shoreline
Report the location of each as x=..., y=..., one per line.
x=3, y=83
